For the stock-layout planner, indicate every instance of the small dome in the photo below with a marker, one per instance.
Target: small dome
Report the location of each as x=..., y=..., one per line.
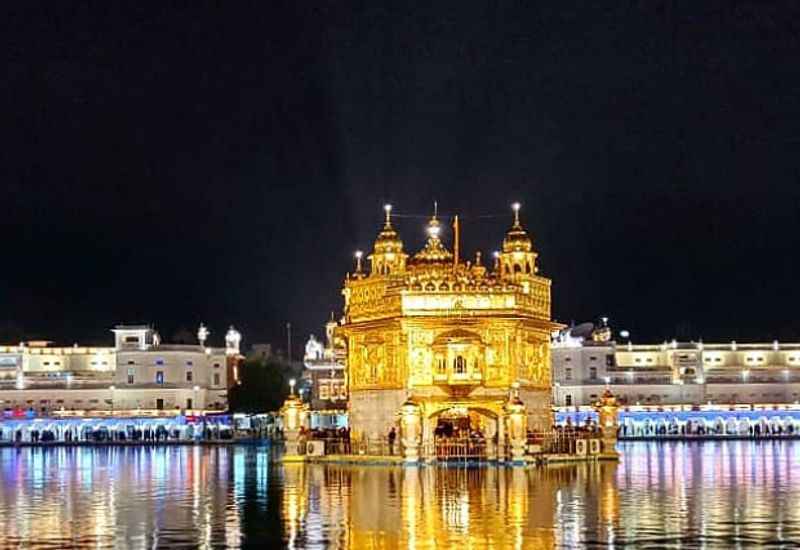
x=517, y=239
x=434, y=251
x=388, y=241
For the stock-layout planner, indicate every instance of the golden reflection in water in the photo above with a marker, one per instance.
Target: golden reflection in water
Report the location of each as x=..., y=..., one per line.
x=387, y=508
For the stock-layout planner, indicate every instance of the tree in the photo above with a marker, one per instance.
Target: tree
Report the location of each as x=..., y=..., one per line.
x=264, y=385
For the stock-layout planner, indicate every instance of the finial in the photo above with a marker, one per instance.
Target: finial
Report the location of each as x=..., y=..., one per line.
x=515, y=207
x=358, y=255
x=388, y=209
x=496, y=255
x=478, y=257
x=435, y=209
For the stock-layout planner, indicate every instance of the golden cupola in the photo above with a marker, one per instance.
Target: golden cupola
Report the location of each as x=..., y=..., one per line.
x=387, y=256
x=434, y=253
x=518, y=257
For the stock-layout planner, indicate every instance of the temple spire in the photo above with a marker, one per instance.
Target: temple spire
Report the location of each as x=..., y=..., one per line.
x=515, y=207
x=388, y=209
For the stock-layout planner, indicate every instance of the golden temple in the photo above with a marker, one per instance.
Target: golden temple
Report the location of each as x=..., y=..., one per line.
x=446, y=336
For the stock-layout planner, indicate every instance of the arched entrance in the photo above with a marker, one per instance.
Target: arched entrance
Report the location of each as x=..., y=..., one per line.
x=463, y=433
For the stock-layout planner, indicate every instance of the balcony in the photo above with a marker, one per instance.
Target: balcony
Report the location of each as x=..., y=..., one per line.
x=452, y=378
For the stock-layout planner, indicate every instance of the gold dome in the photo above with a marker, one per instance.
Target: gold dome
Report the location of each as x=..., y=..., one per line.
x=434, y=251
x=388, y=241
x=517, y=239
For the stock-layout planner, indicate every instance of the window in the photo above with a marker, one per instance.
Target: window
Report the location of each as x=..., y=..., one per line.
x=610, y=360
x=593, y=373
x=216, y=379
x=188, y=402
x=188, y=376
x=568, y=400
x=567, y=359
x=460, y=365
x=159, y=377
x=131, y=362
x=131, y=375
x=568, y=374
x=131, y=339
x=592, y=358
x=638, y=359
x=159, y=404
x=440, y=366
x=323, y=392
x=159, y=361
x=216, y=365
x=189, y=363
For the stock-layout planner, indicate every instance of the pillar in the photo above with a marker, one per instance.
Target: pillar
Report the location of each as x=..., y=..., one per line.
x=410, y=431
x=293, y=414
x=517, y=426
x=608, y=414
x=490, y=431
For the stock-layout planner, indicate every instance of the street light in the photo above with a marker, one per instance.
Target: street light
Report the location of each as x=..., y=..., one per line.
x=194, y=401
x=292, y=382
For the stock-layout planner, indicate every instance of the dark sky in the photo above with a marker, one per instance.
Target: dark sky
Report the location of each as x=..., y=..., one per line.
x=178, y=165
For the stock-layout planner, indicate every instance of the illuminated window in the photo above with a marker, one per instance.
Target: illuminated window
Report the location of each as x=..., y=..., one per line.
x=323, y=392
x=440, y=366
x=460, y=365
x=159, y=377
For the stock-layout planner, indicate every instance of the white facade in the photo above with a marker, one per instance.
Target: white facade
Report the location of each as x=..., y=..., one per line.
x=675, y=373
x=139, y=372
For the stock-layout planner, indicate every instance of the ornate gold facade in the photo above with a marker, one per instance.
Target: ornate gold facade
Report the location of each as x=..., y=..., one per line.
x=443, y=331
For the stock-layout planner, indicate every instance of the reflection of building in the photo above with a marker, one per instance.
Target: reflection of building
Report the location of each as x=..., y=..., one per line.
x=453, y=335
x=561, y=506
x=675, y=373
x=325, y=369
x=139, y=372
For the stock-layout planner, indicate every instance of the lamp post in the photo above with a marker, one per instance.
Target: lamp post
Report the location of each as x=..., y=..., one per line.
x=195, y=389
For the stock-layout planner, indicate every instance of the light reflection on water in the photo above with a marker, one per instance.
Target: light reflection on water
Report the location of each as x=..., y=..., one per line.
x=713, y=494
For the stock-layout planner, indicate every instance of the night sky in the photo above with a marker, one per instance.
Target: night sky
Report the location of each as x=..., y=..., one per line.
x=177, y=165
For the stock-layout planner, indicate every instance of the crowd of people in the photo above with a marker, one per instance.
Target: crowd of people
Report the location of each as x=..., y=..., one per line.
x=103, y=434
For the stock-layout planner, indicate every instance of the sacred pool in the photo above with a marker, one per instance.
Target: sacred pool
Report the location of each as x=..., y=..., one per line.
x=721, y=494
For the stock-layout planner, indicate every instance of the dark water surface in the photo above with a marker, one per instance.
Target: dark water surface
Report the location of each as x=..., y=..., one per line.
x=683, y=495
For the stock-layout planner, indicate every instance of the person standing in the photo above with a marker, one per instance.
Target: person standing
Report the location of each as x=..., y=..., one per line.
x=392, y=437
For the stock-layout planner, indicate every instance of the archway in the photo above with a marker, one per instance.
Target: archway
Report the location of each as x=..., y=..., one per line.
x=462, y=432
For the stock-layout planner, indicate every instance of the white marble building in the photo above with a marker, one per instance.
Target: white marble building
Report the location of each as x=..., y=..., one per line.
x=692, y=373
x=138, y=373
